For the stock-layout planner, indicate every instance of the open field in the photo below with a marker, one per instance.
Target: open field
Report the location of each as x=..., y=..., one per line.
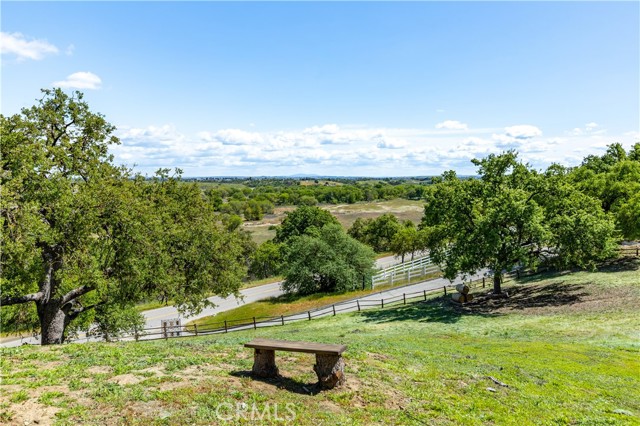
x=565, y=345
x=345, y=213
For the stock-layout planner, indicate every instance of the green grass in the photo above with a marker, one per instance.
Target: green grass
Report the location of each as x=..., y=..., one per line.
x=567, y=346
x=276, y=306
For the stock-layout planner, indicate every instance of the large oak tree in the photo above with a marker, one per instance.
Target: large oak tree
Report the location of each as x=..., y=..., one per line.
x=79, y=233
x=512, y=216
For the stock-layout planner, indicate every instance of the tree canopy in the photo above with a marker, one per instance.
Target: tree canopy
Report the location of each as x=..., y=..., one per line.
x=614, y=179
x=328, y=261
x=301, y=220
x=378, y=233
x=513, y=216
x=79, y=233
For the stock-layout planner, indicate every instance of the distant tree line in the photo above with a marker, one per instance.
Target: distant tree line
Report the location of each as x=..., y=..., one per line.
x=253, y=202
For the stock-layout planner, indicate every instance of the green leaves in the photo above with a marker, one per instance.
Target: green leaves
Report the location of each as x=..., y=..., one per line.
x=329, y=262
x=299, y=221
x=80, y=233
x=513, y=216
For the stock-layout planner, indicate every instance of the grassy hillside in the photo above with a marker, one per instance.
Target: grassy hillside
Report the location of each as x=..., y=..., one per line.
x=567, y=347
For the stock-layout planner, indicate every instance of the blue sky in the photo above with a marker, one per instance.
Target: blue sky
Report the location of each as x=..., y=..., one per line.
x=367, y=89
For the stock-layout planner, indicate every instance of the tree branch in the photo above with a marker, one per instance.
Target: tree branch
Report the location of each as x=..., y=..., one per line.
x=75, y=293
x=77, y=311
x=16, y=300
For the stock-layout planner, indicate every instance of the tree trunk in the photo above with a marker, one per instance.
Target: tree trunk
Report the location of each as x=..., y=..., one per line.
x=264, y=363
x=497, y=282
x=330, y=370
x=53, y=321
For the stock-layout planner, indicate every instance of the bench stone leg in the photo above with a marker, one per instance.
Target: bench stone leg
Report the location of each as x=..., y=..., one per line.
x=264, y=363
x=330, y=370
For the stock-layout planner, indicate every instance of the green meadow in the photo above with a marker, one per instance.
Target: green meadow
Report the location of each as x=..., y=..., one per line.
x=563, y=349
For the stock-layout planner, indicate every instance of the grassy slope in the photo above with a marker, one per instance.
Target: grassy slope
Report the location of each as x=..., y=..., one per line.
x=566, y=345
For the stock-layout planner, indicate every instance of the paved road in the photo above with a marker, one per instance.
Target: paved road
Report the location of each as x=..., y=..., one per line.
x=154, y=317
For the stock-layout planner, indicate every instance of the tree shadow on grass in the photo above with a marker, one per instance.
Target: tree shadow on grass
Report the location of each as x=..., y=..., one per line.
x=441, y=309
x=625, y=263
x=531, y=296
x=620, y=264
x=520, y=298
x=281, y=382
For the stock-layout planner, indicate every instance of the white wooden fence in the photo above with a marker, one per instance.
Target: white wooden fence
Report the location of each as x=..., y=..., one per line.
x=404, y=272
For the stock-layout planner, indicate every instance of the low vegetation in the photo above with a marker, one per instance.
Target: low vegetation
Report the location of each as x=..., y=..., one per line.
x=562, y=349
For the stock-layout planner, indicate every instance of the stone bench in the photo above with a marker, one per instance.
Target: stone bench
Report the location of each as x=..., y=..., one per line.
x=329, y=363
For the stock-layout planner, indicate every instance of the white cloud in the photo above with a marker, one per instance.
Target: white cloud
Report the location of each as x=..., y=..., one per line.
x=634, y=134
x=591, y=128
x=522, y=131
x=18, y=45
x=151, y=135
x=237, y=137
x=385, y=142
x=327, y=129
x=451, y=125
x=342, y=150
x=80, y=80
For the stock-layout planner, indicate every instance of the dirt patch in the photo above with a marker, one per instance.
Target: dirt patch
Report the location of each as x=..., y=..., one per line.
x=126, y=379
x=47, y=365
x=148, y=409
x=31, y=412
x=99, y=369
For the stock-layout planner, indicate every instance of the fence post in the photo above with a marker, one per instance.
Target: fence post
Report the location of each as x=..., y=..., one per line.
x=358, y=302
x=404, y=299
x=282, y=318
x=334, y=310
x=164, y=329
x=445, y=290
x=483, y=278
x=195, y=327
x=425, y=294
x=518, y=273
x=382, y=303
x=225, y=326
x=255, y=327
x=309, y=312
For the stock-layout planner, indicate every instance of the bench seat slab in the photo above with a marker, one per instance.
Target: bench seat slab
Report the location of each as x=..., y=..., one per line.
x=286, y=345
